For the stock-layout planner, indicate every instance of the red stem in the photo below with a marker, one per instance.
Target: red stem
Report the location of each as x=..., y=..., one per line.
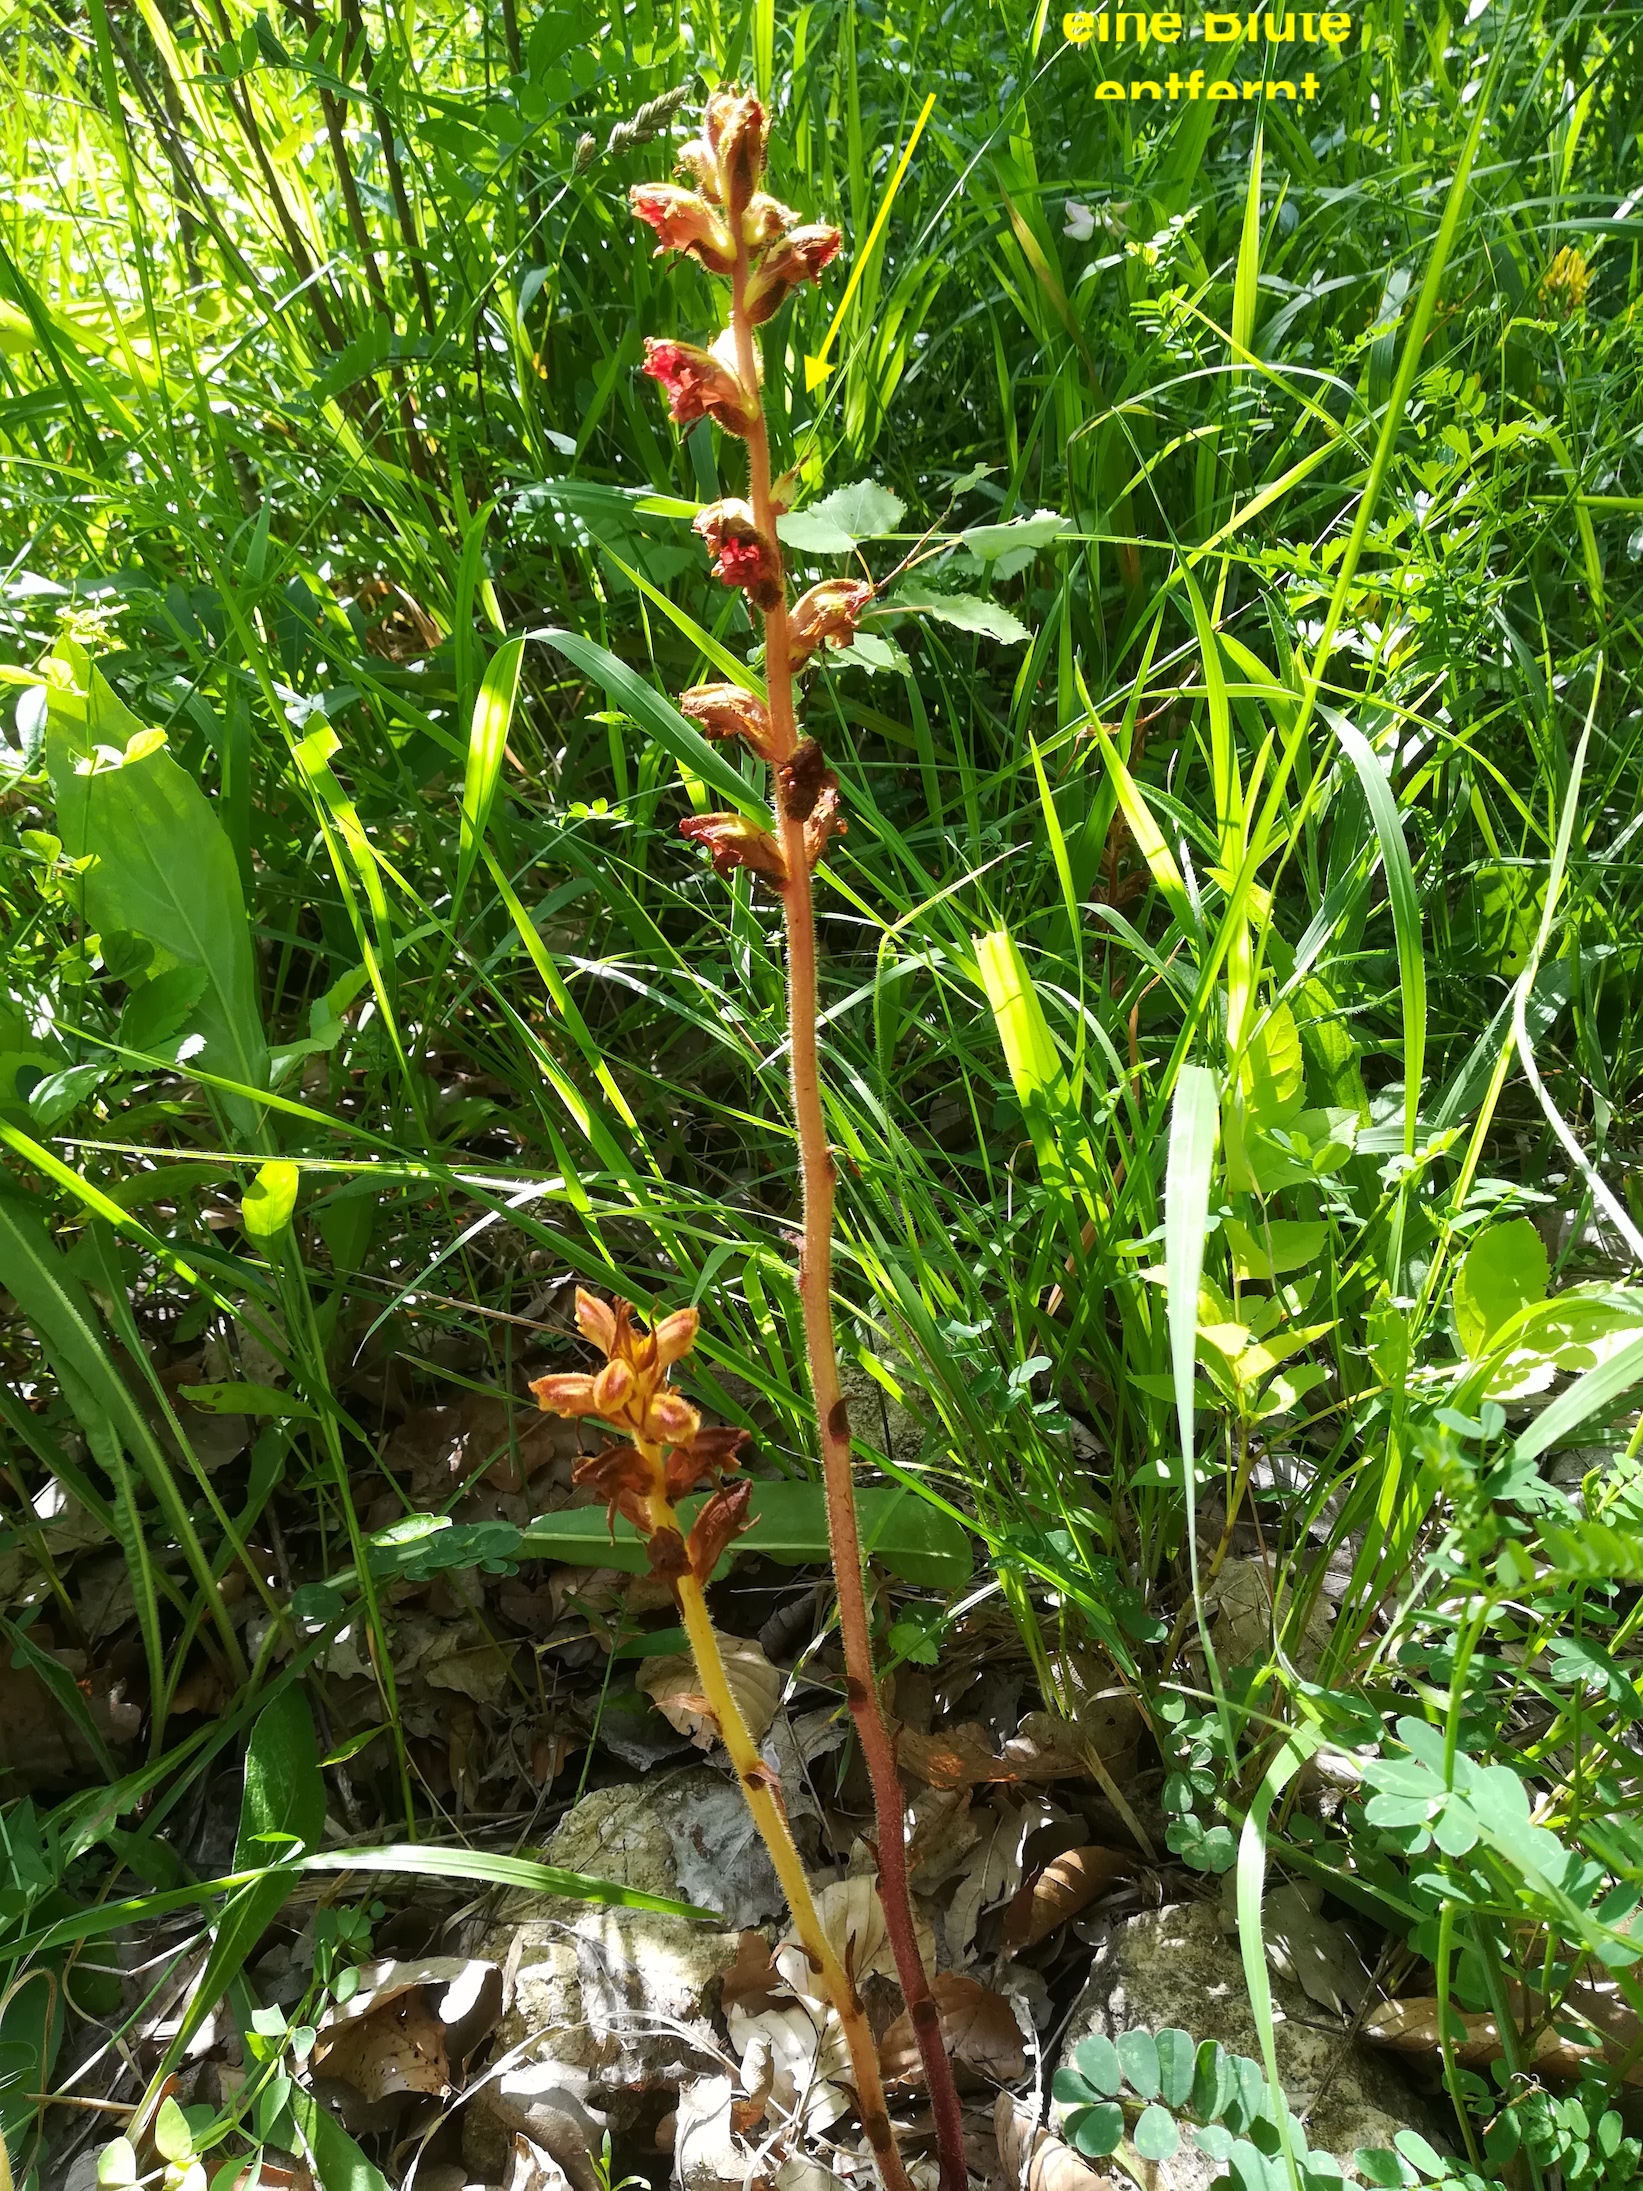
x=817, y=1179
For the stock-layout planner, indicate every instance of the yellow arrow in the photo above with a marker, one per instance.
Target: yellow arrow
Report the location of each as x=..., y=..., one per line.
x=817, y=368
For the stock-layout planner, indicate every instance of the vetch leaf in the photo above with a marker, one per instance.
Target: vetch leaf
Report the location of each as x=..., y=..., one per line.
x=1096, y=2061
x=1138, y=2053
x=1155, y=2136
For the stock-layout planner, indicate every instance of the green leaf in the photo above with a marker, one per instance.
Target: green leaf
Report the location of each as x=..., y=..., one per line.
x=173, y=2140
x=1211, y=2083
x=159, y=1010
x=1096, y=2060
x=1504, y=1270
x=1096, y=2131
x=1406, y=914
x=1138, y=2053
x=832, y=526
x=338, y=2163
x=988, y=542
x=487, y=742
x=248, y=1399
x=629, y=691
x=903, y=1532
x=267, y=1204
x=1177, y=2065
x=1155, y=2136
x=282, y=1814
x=163, y=867
x=117, y=2165
x=1280, y=1244
x=1596, y=1389
x=964, y=611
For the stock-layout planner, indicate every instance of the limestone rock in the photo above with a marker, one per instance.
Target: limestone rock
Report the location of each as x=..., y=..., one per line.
x=1177, y=1967
x=606, y=2007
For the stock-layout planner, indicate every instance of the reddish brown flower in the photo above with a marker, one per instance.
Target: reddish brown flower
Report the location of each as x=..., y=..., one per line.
x=825, y=821
x=726, y=162
x=707, y=1455
x=623, y=1478
x=827, y=616
x=766, y=218
x=728, y=711
x=799, y=781
x=698, y=385
x=668, y=1556
x=742, y=556
x=571, y=1395
x=735, y=842
x=684, y=221
x=723, y=1518
x=799, y=257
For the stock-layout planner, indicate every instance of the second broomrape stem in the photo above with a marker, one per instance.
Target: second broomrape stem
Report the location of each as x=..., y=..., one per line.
x=770, y=1816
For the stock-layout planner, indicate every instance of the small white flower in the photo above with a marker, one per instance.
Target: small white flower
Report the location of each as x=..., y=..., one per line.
x=1080, y=221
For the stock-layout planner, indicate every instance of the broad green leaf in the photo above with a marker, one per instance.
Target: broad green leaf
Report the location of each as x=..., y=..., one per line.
x=1096, y=2060
x=1595, y=1389
x=964, y=611
x=1504, y=1270
x=248, y=1399
x=1280, y=1244
x=1272, y=1072
x=1405, y=904
x=988, y=542
x=832, y=526
x=173, y=2140
x=338, y=2163
x=1155, y=2136
x=903, y=1532
x=267, y=1204
x=1096, y=2131
x=1138, y=2053
x=282, y=1817
x=1177, y=2065
x=163, y=867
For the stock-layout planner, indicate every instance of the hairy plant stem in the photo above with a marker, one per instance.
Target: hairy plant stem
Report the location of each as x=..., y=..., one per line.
x=764, y=1800
x=816, y=1175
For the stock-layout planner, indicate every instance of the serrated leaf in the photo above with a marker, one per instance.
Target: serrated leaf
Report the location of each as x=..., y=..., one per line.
x=964, y=611
x=989, y=542
x=832, y=526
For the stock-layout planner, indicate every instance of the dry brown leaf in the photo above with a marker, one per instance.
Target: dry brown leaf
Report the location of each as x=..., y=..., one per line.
x=398, y=2047
x=1046, y=1748
x=1065, y=1886
x=956, y=1757
x=1035, y=2159
x=1411, y=2027
x=674, y=1687
x=531, y=2168
x=752, y=1982
x=978, y=2026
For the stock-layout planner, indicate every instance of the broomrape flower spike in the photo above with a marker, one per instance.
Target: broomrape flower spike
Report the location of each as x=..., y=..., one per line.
x=772, y=253
x=669, y=1455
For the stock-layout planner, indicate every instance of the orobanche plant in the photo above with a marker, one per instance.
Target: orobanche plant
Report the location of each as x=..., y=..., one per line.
x=730, y=224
